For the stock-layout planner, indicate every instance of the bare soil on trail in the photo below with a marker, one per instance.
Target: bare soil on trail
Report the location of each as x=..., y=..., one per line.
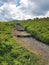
x=32, y=44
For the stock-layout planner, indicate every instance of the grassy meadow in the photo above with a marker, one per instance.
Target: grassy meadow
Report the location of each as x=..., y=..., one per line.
x=11, y=53
x=38, y=28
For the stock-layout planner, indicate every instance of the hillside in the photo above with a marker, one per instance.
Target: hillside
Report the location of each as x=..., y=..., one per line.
x=11, y=52
x=38, y=28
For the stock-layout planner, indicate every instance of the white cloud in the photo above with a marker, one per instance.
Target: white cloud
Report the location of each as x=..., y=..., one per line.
x=26, y=9
x=9, y=11
x=9, y=1
x=47, y=14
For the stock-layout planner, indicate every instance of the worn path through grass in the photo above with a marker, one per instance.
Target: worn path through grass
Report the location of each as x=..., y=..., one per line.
x=32, y=44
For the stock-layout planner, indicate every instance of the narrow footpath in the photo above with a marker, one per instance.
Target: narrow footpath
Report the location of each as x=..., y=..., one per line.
x=31, y=43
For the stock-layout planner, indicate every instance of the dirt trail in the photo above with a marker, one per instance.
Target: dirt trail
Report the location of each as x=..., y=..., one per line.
x=32, y=44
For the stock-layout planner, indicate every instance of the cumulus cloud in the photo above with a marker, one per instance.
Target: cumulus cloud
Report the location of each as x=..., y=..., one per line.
x=9, y=11
x=23, y=9
x=9, y=1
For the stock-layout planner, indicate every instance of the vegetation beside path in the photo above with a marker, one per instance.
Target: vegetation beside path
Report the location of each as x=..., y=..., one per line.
x=11, y=53
x=38, y=28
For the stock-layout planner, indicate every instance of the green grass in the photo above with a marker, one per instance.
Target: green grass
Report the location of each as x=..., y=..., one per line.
x=11, y=52
x=38, y=28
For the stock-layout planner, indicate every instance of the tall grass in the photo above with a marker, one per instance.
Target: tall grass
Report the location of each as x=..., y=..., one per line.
x=38, y=28
x=11, y=53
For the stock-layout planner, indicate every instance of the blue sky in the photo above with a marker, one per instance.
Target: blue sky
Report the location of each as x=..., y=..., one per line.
x=1, y=4
x=18, y=3
x=23, y=9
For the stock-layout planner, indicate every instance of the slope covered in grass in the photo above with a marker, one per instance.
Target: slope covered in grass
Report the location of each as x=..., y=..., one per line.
x=38, y=28
x=11, y=53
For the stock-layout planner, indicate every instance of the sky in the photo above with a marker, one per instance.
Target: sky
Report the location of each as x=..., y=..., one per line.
x=23, y=9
